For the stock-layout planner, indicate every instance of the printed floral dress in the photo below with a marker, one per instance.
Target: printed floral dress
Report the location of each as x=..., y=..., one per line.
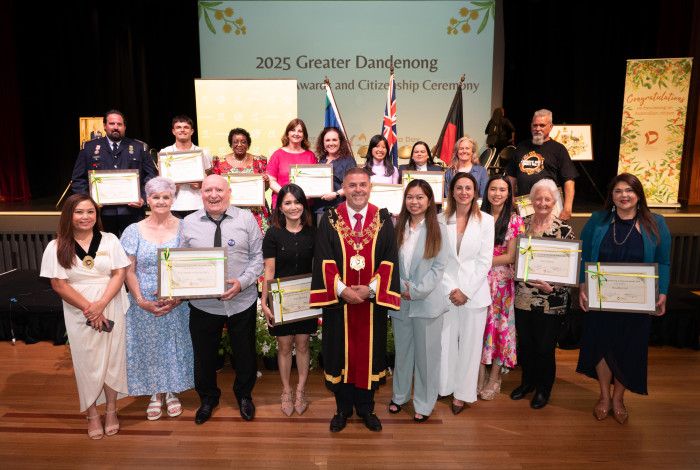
x=499, y=335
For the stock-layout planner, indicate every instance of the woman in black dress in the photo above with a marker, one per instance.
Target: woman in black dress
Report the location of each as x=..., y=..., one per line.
x=614, y=345
x=288, y=249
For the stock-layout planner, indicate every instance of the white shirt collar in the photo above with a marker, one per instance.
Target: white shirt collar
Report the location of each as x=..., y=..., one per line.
x=422, y=167
x=111, y=142
x=351, y=214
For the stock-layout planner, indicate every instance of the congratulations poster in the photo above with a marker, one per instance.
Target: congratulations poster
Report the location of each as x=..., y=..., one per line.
x=354, y=43
x=653, y=125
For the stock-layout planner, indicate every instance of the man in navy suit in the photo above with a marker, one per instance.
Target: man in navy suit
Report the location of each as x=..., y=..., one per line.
x=115, y=152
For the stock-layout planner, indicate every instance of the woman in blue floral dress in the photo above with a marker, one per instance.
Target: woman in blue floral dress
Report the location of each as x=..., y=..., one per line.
x=158, y=345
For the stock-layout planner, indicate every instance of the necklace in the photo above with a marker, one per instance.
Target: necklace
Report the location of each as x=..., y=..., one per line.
x=88, y=258
x=634, y=221
x=357, y=240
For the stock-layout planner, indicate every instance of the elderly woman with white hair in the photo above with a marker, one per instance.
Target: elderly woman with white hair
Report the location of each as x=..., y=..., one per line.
x=540, y=306
x=466, y=159
x=158, y=345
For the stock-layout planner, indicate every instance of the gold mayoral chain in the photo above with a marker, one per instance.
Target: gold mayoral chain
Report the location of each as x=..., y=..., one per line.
x=357, y=240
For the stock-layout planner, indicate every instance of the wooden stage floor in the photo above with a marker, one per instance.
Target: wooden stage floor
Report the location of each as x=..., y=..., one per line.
x=40, y=425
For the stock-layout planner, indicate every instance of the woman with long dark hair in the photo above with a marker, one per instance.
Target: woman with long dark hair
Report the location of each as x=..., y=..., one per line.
x=499, y=336
x=465, y=284
x=376, y=162
x=421, y=160
x=614, y=346
x=288, y=249
x=418, y=325
x=332, y=148
x=87, y=269
x=499, y=130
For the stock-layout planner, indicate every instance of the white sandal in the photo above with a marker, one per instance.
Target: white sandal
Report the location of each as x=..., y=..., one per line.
x=155, y=408
x=173, y=405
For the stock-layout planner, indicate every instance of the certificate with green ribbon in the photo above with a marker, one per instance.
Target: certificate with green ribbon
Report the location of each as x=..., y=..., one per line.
x=387, y=196
x=551, y=260
x=182, y=167
x=523, y=205
x=191, y=273
x=288, y=298
x=436, y=180
x=247, y=189
x=622, y=287
x=114, y=187
x=315, y=180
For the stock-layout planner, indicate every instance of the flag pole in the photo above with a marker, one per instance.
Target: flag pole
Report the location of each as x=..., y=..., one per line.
x=327, y=82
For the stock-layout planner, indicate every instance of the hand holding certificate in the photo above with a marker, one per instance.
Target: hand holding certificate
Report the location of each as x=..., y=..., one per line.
x=288, y=299
x=315, y=180
x=182, y=167
x=114, y=187
x=622, y=287
x=547, y=259
x=191, y=273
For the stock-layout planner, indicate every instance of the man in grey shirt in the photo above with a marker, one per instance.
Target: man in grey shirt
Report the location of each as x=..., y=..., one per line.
x=220, y=224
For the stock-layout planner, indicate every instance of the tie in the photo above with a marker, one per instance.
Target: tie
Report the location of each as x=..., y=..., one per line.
x=217, y=232
x=115, y=147
x=358, y=223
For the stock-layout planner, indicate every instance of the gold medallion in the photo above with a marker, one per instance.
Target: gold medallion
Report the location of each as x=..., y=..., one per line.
x=89, y=262
x=357, y=262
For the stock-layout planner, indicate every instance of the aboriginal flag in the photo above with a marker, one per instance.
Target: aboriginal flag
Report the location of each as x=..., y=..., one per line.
x=452, y=130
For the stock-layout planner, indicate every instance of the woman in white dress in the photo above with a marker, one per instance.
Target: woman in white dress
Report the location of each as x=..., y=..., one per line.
x=87, y=270
x=470, y=236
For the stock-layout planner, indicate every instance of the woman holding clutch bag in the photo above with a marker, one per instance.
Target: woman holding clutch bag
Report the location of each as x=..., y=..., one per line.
x=160, y=360
x=87, y=268
x=614, y=345
x=288, y=249
x=418, y=325
x=540, y=306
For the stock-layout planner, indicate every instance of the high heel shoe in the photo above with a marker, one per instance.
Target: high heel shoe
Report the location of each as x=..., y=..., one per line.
x=95, y=434
x=491, y=390
x=287, y=405
x=481, y=380
x=620, y=415
x=301, y=403
x=114, y=428
x=601, y=411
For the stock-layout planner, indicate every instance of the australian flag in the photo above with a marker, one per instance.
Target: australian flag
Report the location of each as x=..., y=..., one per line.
x=389, y=122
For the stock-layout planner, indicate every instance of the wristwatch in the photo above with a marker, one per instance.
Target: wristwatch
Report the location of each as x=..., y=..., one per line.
x=372, y=294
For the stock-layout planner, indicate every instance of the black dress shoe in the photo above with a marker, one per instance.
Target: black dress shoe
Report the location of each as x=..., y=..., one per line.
x=203, y=413
x=520, y=391
x=422, y=419
x=396, y=409
x=247, y=409
x=372, y=422
x=540, y=400
x=338, y=422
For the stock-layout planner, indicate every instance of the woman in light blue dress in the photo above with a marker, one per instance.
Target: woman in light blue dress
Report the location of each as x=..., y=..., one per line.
x=158, y=345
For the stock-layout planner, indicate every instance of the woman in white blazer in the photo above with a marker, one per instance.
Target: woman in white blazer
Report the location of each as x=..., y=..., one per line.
x=418, y=325
x=469, y=238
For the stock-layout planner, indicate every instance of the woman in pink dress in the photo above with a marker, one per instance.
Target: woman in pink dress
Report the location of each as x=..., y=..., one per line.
x=294, y=151
x=499, y=335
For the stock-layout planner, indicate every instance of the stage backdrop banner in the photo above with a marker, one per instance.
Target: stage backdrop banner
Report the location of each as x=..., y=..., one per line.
x=653, y=125
x=262, y=107
x=353, y=43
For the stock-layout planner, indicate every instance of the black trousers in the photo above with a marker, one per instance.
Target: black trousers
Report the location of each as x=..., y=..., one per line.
x=206, y=330
x=348, y=396
x=116, y=223
x=537, y=334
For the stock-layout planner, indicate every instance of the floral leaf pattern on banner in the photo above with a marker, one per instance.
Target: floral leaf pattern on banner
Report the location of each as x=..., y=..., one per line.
x=653, y=125
x=225, y=16
x=479, y=9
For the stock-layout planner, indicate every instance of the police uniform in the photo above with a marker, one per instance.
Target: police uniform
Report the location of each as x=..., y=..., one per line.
x=98, y=154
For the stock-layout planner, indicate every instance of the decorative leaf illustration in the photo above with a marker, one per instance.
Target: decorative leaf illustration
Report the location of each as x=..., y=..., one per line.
x=208, y=22
x=483, y=9
x=483, y=23
x=223, y=15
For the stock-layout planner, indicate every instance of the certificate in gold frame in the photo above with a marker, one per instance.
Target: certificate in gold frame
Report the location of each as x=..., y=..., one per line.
x=191, y=273
x=288, y=299
x=314, y=180
x=552, y=260
x=247, y=189
x=622, y=287
x=182, y=167
x=114, y=187
x=436, y=180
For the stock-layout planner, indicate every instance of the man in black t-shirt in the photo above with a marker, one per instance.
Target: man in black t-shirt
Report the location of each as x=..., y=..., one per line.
x=541, y=158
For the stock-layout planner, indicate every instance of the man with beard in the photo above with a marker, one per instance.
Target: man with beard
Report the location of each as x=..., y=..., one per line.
x=355, y=279
x=219, y=224
x=541, y=158
x=114, y=152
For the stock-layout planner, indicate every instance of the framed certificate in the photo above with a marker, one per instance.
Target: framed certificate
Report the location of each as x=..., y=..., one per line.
x=114, y=187
x=577, y=140
x=315, y=180
x=622, y=287
x=288, y=298
x=191, y=273
x=436, y=180
x=387, y=196
x=247, y=189
x=523, y=205
x=547, y=259
x=182, y=167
